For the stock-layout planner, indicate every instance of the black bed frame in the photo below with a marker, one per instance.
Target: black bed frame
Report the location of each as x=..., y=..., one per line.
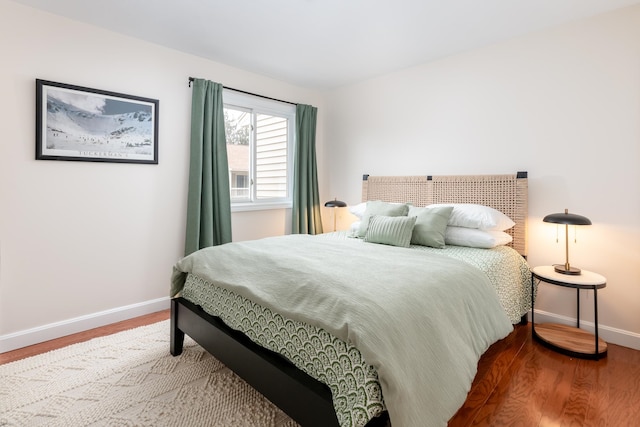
x=302, y=397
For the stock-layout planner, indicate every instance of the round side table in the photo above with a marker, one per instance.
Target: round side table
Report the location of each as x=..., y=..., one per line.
x=569, y=340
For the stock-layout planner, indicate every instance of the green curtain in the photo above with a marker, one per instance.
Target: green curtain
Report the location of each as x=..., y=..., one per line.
x=209, y=199
x=305, y=214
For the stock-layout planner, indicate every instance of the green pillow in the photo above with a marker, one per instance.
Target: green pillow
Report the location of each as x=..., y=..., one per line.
x=431, y=224
x=377, y=207
x=390, y=230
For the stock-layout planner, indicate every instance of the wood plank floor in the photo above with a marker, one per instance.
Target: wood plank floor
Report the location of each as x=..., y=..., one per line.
x=519, y=382
x=522, y=383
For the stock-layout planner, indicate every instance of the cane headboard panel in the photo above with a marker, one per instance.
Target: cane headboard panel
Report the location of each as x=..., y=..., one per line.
x=506, y=193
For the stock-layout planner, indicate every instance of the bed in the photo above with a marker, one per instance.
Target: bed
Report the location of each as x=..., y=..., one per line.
x=318, y=372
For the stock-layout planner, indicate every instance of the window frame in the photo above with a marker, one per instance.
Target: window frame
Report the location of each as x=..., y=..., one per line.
x=259, y=105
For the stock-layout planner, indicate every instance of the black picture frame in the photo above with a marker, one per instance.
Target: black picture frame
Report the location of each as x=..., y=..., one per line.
x=84, y=124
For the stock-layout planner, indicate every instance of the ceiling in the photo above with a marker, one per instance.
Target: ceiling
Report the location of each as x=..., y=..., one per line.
x=324, y=44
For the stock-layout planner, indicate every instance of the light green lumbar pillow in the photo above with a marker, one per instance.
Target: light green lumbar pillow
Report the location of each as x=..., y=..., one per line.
x=431, y=225
x=377, y=207
x=390, y=230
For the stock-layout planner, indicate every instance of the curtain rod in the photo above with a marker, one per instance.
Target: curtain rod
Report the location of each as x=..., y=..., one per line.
x=249, y=93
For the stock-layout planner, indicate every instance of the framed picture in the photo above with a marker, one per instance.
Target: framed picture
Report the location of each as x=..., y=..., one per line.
x=79, y=123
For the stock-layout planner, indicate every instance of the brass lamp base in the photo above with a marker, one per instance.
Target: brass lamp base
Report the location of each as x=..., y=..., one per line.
x=562, y=268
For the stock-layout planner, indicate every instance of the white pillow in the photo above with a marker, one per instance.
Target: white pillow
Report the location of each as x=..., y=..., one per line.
x=353, y=229
x=474, y=238
x=477, y=216
x=358, y=210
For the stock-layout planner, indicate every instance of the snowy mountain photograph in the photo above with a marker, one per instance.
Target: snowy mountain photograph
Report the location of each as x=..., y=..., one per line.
x=87, y=124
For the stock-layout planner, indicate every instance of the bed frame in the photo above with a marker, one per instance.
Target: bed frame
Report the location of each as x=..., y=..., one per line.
x=302, y=397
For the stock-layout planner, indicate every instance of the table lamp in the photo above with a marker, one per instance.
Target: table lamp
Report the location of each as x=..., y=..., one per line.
x=335, y=203
x=567, y=219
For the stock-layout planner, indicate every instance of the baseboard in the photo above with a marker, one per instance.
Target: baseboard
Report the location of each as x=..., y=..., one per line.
x=607, y=333
x=78, y=324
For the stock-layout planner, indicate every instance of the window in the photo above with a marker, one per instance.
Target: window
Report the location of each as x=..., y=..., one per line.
x=260, y=141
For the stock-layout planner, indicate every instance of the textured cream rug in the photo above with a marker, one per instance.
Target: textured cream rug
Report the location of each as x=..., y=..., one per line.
x=130, y=379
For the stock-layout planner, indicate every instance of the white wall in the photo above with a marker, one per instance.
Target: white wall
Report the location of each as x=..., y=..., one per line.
x=563, y=104
x=86, y=243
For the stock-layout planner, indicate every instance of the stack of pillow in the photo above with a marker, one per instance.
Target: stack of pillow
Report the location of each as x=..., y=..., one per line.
x=460, y=224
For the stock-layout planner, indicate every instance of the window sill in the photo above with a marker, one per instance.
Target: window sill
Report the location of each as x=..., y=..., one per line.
x=245, y=207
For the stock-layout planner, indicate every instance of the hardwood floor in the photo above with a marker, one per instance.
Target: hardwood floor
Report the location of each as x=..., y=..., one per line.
x=519, y=382
x=522, y=383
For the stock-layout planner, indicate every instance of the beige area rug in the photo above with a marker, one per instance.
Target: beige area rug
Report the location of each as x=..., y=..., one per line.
x=130, y=379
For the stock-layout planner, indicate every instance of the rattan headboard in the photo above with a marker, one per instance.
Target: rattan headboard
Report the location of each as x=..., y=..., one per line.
x=506, y=193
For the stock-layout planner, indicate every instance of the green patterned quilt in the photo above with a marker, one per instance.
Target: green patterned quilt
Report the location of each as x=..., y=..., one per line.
x=333, y=357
